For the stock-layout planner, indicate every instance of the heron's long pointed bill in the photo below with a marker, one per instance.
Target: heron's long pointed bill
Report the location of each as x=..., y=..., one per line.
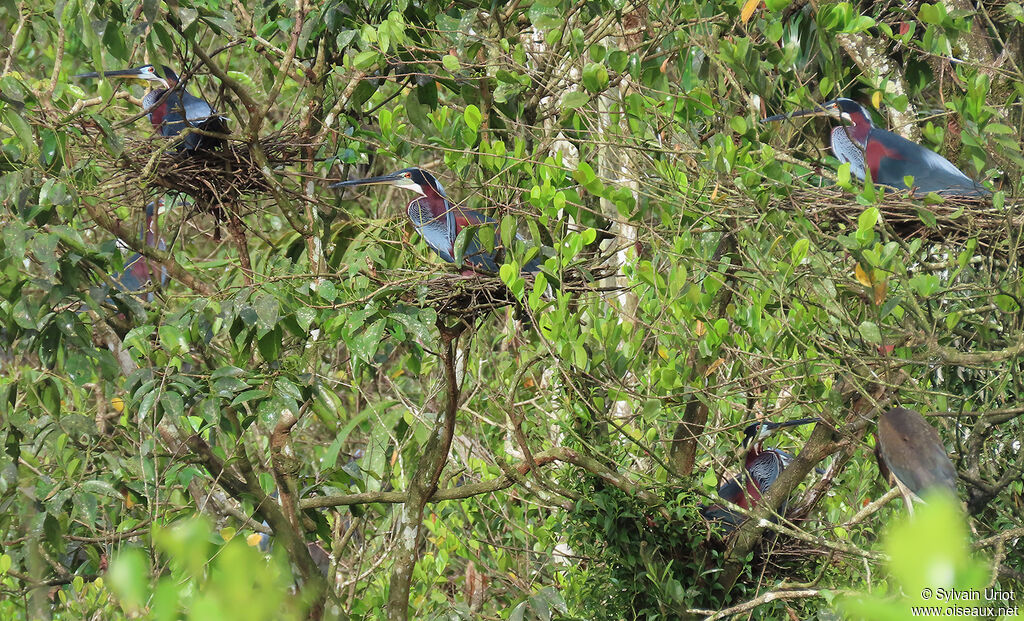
x=388, y=179
x=120, y=73
x=798, y=422
x=790, y=115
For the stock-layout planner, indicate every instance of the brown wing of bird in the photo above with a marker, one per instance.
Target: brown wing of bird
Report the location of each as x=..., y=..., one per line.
x=914, y=452
x=882, y=468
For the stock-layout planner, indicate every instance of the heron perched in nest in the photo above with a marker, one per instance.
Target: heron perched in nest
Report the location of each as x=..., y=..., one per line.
x=890, y=157
x=439, y=222
x=172, y=109
x=762, y=465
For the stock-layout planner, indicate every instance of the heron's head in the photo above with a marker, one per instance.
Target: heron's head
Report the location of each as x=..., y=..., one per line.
x=759, y=430
x=146, y=73
x=842, y=109
x=415, y=179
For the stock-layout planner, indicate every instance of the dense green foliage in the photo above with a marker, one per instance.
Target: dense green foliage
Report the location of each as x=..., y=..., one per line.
x=299, y=371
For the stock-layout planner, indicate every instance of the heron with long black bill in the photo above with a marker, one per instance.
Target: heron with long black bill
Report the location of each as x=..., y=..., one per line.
x=889, y=157
x=439, y=222
x=762, y=466
x=910, y=452
x=171, y=109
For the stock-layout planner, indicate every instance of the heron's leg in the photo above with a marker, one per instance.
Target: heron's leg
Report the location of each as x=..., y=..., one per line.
x=908, y=496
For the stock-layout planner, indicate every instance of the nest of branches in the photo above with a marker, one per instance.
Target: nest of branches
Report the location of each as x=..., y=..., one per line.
x=216, y=180
x=954, y=220
x=469, y=295
x=780, y=556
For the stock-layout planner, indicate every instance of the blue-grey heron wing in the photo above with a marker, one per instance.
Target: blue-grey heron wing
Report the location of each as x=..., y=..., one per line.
x=899, y=158
x=476, y=255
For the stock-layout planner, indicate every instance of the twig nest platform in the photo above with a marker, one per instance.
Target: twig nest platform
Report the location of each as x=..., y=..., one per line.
x=468, y=295
x=215, y=179
x=951, y=219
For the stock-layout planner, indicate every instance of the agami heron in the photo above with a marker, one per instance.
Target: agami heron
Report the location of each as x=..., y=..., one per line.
x=913, y=453
x=762, y=467
x=438, y=221
x=888, y=156
x=138, y=270
x=171, y=109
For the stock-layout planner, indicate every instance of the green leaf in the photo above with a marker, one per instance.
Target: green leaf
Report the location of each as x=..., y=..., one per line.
x=573, y=100
x=843, y=175
x=485, y=236
x=998, y=200
x=102, y=488
x=466, y=235
x=365, y=344
x=799, y=250
x=304, y=317
x=618, y=61
x=228, y=371
x=129, y=578
x=269, y=345
x=327, y=291
x=365, y=60
x=22, y=130
x=249, y=395
x=595, y=77
x=866, y=224
x=473, y=117
x=508, y=273
x=451, y=63
x=925, y=284
x=867, y=220
x=927, y=217
x=869, y=332
x=540, y=285
x=172, y=404
x=859, y=24
x=147, y=402
x=173, y=340
x=508, y=230
x=330, y=457
x=584, y=174
x=228, y=386
x=186, y=16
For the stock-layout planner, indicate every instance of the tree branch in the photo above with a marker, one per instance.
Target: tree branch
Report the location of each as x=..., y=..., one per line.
x=424, y=480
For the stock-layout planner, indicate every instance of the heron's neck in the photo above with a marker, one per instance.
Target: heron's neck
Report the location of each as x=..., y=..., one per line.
x=860, y=129
x=754, y=452
x=431, y=193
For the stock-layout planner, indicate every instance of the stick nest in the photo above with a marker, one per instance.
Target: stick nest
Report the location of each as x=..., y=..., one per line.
x=953, y=221
x=471, y=295
x=215, y=179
